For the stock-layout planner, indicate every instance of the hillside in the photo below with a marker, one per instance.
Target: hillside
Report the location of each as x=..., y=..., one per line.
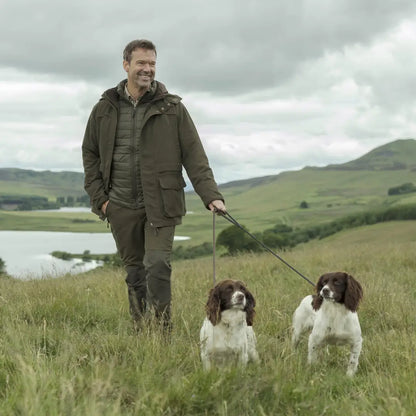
x=329, y=192
x=68, y=346
x=328, y=197
x=47, y=184
x=394, y=233
x=258, y=203
x=398, y=155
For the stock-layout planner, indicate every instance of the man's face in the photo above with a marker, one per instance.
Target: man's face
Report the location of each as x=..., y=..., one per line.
x=141, y=69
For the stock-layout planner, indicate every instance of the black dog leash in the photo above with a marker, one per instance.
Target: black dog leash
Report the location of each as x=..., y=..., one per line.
x=233, y=221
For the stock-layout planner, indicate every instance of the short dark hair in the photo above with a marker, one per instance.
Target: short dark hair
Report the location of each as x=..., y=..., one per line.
x=136, y=44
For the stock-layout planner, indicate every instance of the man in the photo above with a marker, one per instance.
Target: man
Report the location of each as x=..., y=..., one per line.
x=137, y=139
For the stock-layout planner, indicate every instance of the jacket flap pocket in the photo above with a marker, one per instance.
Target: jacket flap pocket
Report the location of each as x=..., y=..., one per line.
x=172, y=182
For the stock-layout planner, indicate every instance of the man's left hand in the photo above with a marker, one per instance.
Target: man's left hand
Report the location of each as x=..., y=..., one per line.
x=217, y=206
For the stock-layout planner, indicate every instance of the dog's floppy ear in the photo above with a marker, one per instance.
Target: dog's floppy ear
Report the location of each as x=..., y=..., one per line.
x=353, y=293
x=213, y=306
x=317, y=302
x=250, y=304
x=320, y=284
x=317, y=299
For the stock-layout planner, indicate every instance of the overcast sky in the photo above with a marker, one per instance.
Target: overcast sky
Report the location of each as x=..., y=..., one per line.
x=272, y=85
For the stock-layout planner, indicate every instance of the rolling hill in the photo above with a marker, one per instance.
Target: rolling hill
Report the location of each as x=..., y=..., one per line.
x=330, y=192
x=18, y=182
x=398, y=155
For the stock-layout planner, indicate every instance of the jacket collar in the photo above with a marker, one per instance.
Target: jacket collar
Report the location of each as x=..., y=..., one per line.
x=113, y=94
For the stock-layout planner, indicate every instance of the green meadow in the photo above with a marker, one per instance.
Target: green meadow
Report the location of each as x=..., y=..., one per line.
x=258, y=204
x=51, y=221
x=67, y=345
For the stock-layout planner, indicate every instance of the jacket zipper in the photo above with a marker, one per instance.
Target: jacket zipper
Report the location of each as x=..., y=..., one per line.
x=133, y=156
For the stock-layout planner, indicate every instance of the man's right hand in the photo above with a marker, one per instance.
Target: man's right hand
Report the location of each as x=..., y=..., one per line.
x=104, y=207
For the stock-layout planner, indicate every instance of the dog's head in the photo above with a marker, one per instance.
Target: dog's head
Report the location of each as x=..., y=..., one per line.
x=338, y=287
x=230, y=294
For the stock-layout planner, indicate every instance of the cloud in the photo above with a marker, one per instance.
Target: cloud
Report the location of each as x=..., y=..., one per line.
x=42, y=121
x=271, y=86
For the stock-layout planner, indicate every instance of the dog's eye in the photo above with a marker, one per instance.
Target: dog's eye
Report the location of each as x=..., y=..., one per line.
x=337, y=282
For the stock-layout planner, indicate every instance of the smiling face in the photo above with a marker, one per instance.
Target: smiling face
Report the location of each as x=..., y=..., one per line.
x=141, y=70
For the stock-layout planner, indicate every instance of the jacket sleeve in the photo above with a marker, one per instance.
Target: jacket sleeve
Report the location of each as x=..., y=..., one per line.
x=194, y=159
x=93, y=182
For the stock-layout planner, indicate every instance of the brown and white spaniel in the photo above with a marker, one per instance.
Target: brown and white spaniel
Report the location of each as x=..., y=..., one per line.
x=227, y=335
x=332, y=316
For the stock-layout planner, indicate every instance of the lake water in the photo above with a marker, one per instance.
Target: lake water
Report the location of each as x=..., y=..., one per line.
x=27, y=253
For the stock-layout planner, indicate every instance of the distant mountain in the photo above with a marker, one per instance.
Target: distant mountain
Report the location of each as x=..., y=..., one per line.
x=45, y=177
x=384, y=177
x=14, y=181
x=397, y=155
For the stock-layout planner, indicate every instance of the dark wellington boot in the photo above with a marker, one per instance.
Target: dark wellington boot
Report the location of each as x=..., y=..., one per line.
x=136, y=289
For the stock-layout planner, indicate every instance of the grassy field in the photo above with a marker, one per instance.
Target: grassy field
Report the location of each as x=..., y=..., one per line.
x=51, y=221
x=41, y=183
x=258, y=204
x=68, y=348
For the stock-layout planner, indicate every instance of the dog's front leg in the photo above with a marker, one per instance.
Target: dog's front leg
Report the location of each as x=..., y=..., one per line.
x=206, y=365
x=253, y=356
x=314, y=343
x=354, y=357
x=243, y=358
x=205, y=355
x=297, y=332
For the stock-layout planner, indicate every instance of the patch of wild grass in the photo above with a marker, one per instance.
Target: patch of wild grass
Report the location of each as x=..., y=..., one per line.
x=67, y=346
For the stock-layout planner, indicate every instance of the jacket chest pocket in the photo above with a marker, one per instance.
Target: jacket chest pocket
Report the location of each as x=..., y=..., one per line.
x=173, y=196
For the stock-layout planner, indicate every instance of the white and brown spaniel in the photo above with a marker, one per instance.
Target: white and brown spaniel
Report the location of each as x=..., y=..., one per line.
x=227, y=335
x=332, y=316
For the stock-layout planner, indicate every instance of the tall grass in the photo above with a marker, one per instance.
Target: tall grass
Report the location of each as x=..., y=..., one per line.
x=67, y=346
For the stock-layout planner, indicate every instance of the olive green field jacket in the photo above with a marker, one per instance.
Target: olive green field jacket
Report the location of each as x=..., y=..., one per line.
x=169, y=140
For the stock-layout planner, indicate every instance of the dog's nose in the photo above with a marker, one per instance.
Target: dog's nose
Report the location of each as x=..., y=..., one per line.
x=325, y=292
x=240, y=297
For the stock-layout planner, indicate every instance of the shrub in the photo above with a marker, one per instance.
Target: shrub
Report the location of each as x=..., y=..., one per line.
x=63, y=255
x=2, y=266
x=237, y=240
x=402, y=189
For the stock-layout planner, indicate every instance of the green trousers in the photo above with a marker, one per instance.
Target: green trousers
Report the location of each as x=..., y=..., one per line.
x=145, y=252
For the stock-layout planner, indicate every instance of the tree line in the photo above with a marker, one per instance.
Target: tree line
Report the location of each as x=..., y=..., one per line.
x=31, y=203
x=282, y=236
